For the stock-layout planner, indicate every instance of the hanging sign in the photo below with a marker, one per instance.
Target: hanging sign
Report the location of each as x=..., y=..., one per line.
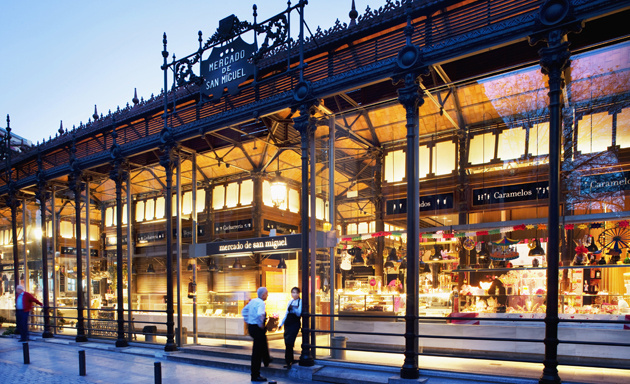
x=511, y=193
x=605, y=182
x=233, y=226
x=227, y=67
x=258, y=245
x=427, y=203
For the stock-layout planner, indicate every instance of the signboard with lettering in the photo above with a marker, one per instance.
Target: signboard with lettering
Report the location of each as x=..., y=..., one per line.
x=605, y=182
x=427, y=203
x=511, y=193
x=227, y=67
x=258, y=245
x=233, y=226
x=281, y=228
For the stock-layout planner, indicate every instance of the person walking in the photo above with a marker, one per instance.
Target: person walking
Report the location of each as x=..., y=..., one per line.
x=255, y=315
x=292, y=324
x=23, y=305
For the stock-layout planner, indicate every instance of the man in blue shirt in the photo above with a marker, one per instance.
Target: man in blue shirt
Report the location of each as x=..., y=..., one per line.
x=255, y=315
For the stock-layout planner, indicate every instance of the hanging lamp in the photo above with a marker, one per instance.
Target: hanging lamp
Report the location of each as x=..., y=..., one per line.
x=282, y=264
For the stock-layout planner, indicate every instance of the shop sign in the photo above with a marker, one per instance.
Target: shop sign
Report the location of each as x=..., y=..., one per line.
x=187, y=232
x=111, y=240
x=73, y=251
x=511, y=193
x=258, y=245
x=280, y=228
x=150, y=237
x=427, y=203
x=233, y=226
x=605, y=182
x=227, y=67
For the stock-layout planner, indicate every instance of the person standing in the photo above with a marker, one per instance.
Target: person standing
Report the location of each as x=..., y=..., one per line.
x=255, y=315
x=292, y=324
x=23, y=305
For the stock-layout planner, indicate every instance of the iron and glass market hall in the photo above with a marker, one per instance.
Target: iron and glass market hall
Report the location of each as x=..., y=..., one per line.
x=440, y=178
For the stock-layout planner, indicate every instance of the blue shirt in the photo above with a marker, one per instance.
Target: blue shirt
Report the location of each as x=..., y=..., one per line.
x=20, y=301
x=254, y=312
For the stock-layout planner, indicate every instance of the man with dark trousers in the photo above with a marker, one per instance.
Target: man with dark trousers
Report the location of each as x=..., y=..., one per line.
x=255, y=315
x=23, y=305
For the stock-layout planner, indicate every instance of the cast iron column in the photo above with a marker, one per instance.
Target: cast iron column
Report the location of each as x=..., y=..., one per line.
x=554, y=22
x=76, y=186
x=306, y=126
x=167, y=160
x=410, y=67
x=118, y=175
x=42, y=196
x=12, y=202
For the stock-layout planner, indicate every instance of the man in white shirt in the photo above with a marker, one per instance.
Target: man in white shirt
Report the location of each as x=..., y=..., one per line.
x=255, y=315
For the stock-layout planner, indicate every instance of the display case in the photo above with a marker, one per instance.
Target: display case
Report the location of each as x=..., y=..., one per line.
x=371, y=305
x=227, y=304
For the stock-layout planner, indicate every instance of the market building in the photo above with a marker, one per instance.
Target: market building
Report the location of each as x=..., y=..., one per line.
x=442, y=178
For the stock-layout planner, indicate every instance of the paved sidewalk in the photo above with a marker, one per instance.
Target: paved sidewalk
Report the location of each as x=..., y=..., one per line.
x=57, y=361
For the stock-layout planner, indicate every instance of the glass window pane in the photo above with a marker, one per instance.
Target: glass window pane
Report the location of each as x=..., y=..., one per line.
x=594, y=132
x=159, y=208
x=294, y=201
x=124, y=214
x=394, y=166
x=623, y=128
x=445, y=152
x=511, y=143
x=149, y=209
x=218, y=197
x=201, y=200
x=363, y=227
x=65, y=230
x=267, y=193
x=140, y=211
x=231, y=195
x=247, y=192
x=481, y=149
x=352, y=229
x=539, y=139
x=109, y=216
x=94, y=232
x=423, y=157
x=319, y=209
x=187, y=203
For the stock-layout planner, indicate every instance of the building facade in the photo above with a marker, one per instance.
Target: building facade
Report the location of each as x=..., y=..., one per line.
x=441, y=178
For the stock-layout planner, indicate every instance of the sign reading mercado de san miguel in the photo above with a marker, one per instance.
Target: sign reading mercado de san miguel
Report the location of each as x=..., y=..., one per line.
x=256, y=245
x=227, y=67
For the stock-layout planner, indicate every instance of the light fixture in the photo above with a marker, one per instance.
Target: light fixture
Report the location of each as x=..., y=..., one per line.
x=212, y=266
x=437, y=255
x=237, y=264
x=278, y=188
x=282, y=264
x=403, y=263
x=357, y=260
x=391, y=258
x=483, y=256
x=537, y=250
x=371, y=260
x=190, y=266
x=150, y=269
x=592, y=248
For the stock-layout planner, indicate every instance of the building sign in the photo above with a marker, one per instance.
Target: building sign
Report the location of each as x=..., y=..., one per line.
x=281, y=228
x=427, y=203
x=605, y=182
x=258, y=245
x=73, y=251
x=151, y=237
x=511, y=193
x=227, y=67
x=233, y=226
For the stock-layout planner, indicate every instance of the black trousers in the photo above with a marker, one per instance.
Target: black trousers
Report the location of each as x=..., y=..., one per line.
x=291, y=330
x=22, y=323
x=260, y=350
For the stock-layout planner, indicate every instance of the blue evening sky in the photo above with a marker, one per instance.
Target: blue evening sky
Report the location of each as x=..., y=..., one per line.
x=60, y=58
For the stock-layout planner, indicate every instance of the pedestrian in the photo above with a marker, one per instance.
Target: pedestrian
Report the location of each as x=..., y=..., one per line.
x=23, y=305
x=255, y=315
x=292, y=324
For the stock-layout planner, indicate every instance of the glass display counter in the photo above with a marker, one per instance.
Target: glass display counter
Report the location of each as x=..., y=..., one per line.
x=371, y=305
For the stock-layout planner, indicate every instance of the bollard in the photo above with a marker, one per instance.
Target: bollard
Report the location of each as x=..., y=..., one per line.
x=82, y=362
x=157, y=369
x=27, y=357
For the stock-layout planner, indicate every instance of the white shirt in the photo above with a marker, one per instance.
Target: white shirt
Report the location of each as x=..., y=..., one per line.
x=254, y=312
x=295, y=306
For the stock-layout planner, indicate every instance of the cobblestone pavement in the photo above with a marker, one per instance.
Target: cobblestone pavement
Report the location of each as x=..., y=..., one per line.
x=53, y=363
